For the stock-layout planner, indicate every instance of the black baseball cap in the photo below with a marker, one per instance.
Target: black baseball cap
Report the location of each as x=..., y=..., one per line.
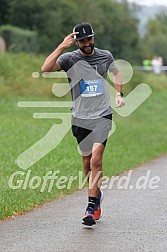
x=85, y=31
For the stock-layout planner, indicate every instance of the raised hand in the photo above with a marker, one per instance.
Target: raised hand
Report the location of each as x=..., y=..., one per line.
x=69, y=40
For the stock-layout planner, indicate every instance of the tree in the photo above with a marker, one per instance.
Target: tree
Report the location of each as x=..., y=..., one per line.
x=4, y=11
x=50, y=18
x=119, y=29
x=114, y=23
x=155, y=38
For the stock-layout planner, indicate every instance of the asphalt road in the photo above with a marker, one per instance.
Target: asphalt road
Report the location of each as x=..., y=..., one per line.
x=134, y=219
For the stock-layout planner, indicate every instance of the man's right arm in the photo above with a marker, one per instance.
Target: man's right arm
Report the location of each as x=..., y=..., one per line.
x=51, y=63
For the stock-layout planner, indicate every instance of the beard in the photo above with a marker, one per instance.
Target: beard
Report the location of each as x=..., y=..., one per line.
x=87, y=49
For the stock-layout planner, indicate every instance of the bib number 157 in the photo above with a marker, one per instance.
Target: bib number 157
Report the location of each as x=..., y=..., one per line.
x=91, y=88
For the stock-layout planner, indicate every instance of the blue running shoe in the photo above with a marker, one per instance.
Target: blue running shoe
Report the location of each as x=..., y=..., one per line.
x=88, y=219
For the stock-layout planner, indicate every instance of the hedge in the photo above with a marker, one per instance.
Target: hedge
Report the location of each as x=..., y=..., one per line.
x=19, y=40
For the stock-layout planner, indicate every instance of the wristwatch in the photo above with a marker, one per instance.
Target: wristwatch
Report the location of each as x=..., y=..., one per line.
x=120, y=94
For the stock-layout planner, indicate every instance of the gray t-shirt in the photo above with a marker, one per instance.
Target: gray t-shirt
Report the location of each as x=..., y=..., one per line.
x=87, y=79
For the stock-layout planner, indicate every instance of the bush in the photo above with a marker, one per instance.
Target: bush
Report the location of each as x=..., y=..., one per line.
x=19, y=40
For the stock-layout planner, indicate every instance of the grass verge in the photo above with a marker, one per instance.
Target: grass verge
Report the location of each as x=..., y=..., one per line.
x=138, y=138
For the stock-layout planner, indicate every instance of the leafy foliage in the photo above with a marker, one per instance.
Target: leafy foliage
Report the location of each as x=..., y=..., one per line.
x=114, y=22
x=18, y=40
x=155, y=38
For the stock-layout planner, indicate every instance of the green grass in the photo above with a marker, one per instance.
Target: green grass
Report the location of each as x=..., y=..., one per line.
x=16, y=75
x=138, y=138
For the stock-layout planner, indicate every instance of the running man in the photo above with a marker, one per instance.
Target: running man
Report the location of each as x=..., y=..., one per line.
x=91, y=112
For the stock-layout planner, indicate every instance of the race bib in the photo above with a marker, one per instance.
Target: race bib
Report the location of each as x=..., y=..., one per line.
x=91, y=88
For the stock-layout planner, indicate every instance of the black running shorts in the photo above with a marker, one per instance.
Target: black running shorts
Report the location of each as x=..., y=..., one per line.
x=90, y=131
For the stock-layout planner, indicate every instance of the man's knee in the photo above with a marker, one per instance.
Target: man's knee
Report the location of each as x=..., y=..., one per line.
x=96, y=162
